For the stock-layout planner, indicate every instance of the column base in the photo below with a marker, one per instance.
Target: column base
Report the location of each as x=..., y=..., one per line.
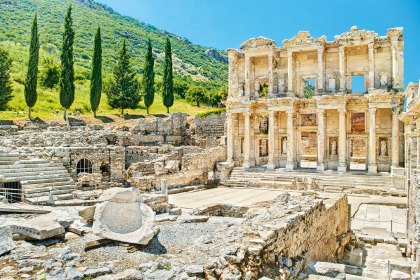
x=342, y=168
x=291, y=166
x=373, y=168
x=246, y=165
x=320, y=167
x=271, y=166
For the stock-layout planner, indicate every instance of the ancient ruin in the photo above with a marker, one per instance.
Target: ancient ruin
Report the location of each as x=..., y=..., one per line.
x=305, y=176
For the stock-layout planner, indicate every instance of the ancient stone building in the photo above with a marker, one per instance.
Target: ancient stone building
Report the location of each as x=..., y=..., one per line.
x=273, y=120
x=411, y=119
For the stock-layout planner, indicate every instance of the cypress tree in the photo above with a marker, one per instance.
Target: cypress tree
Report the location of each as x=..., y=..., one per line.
x=149, y=78
x=5, y=82
x=96, y=79
x=168, y=82
x=123, y=89
x=67, y=64
x=32, y=74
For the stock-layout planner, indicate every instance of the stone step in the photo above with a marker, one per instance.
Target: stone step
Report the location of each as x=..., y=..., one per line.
x=33, y=177
x=18, y=169
x=69, y=188
x=45, y=179
x=46, y=192
x=44, y=199
x=46, y=185
x=35, y=173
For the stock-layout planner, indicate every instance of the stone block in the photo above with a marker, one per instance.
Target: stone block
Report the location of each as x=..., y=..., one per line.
x=6, y=242
x=38, y=228
x=326, y=269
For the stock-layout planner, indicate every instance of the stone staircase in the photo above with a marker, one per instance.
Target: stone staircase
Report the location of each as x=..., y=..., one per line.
x=350, y=182
x=37, y=177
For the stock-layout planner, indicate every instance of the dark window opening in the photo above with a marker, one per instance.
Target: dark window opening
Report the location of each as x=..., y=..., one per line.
x=105, y=169
x=12, y=191
x=84, y=165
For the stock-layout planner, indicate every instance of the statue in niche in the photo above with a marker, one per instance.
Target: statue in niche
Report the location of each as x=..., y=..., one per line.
x=284, y=146
x=257, y=89
x=241, y=89
x=334, y=148
x=383, y=148
x=383, y=79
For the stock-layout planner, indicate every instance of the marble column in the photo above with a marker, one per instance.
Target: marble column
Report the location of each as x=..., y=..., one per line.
x=270, y=74
x=290, y=73
x=321, y=140
x=271, y=140
x=394, y=50
x=290, y=163
x=229, y=136
x=248, y=82
x=247, y=140
x=395, y=138
x=321, y=69
x=342, y=138
x=342, y=61
x=372, y=167
x=371, y=77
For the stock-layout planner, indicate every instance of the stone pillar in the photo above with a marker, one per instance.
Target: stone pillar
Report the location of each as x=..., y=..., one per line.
x=271, y=141
x=342, y=58
x=371, y=55
x=290, y=73
x=321, y=69
x=372, y=168
x=342, y=137
x=394, y=49
x=233, y=73
x=321, y=140
x=270, y=74
x=395, y=138
x=229, y=136
x=248, y=83
x=290, y=163
x=247, y=140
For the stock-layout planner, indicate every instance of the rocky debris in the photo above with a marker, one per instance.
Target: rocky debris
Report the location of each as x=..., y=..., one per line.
x=6, y=242
x=129, y=274
x=122, y=216
x=195, y=270
x=38, y=228
x=87, y=214
x=216, y=55
x=326, y=268
x=175, y=211
x=96, y=272
x=193, y=219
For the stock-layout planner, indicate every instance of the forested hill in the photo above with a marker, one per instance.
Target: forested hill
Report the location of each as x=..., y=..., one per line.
x=15, y=22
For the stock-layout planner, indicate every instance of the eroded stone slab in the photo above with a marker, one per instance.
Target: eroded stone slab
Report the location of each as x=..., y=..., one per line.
x=38, y=228
x=6, y=241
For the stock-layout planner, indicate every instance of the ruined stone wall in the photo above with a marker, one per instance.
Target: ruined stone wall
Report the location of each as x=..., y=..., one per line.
x=210, y=126
x=175, y=124
x=278, y=242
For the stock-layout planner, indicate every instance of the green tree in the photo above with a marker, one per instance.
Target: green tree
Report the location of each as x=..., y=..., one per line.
x=96, y=79
x=123, y=88
x=67, y=64
x=5, y=82
x=168, y=82
x=180, y=88
x=149, y=78
x=308, y=90
x=50, y=75
x=195, y=95
x=32, y=74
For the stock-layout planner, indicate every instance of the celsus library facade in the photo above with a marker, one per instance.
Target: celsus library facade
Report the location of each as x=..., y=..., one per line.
x=349, y=120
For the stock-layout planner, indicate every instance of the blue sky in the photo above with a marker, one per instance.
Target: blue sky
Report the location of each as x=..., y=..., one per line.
x=227, y=23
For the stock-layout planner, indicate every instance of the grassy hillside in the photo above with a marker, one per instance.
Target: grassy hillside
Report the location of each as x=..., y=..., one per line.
x=190, y=62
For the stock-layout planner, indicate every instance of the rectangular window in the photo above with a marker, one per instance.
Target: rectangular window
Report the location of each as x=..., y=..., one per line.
x=309, y=88
x=358, y=84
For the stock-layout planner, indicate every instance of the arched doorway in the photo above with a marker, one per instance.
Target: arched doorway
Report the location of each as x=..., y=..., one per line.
x=84, y=165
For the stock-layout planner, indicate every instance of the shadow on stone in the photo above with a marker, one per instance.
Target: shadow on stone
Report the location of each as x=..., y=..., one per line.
x=104, y=119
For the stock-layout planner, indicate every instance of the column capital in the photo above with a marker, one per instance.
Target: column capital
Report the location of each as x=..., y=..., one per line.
x=395, y=110
x=320, y=111
x=341, y=49
x=370, y=46
x=372, y=109
x=289, y=54
x=342, y=111
x=320, y=49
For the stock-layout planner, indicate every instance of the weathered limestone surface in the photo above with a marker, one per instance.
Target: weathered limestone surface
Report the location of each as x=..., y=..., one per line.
x=6, y=242
x=175, y=124
x=123, y=217
x=38, y=228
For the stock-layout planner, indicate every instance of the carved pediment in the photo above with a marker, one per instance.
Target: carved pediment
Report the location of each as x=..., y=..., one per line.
x=355, y=35
x=303, y=38
x=257, y=43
